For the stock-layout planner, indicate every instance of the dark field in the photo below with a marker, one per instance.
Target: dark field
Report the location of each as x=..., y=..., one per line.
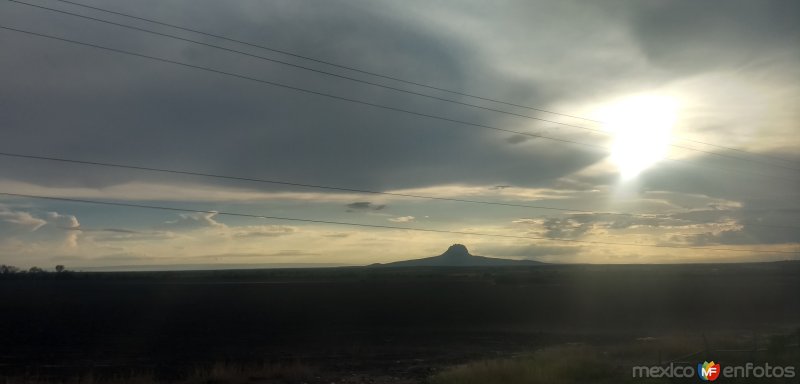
x=401, y=323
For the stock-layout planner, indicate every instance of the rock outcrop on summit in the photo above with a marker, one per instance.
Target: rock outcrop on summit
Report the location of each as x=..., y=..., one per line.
x=458, y=256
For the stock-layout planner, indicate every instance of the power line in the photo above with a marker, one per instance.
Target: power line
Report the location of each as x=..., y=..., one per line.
x=381, y=106
x=351, y=68
x=281, y=85
x=287, y=53
x=396, y=109
x=594, y=130
x=289, y=183
x=340, y=189
x=742, y=151
x=305, y=67
x=175, y=209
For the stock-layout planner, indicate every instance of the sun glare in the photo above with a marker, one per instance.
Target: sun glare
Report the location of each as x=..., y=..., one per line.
x=642, y=127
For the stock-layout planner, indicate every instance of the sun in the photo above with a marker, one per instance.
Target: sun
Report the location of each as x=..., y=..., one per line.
x=642, y=130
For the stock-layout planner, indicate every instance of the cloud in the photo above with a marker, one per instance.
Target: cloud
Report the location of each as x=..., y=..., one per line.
x=16, y=221
x=127, y=235
x=188, y=222
x=48, y=228
x=118, y=230
x=569, y=228
x=337, y=235
x=517, y=139
x=63, y=221
x=695, y=201
x=530, y=251
x=568, y=183
x=688, y=35
x=67, y=223
x=744, y=234
x=503, y=191
x=194, y=221
x=365, y=206
x=372, y=148
x=256, y=255
x=402, y=219
x=262, y=231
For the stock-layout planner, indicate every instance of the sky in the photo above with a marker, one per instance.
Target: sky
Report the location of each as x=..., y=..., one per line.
x=689, y=113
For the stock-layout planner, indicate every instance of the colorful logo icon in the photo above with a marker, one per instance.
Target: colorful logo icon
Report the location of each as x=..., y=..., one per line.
x=708, y=371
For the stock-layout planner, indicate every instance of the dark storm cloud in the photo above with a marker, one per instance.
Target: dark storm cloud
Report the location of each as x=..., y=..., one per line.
x=101, y=106
x=691, y=36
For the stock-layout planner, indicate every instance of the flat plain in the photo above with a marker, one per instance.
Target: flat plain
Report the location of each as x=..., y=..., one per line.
x=407, y=323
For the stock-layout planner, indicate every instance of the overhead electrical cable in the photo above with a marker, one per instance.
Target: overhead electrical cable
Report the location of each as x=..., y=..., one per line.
x=380, y=226
x=388, y=77
x=299, y=89
x=349, y=78
x=375, y=105
x=342, y=189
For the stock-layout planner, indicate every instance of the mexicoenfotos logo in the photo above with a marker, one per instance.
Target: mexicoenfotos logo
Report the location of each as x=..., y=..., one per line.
x=708, y=371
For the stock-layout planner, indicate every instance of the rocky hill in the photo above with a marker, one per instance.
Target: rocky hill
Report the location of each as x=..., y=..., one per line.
x=458, y=256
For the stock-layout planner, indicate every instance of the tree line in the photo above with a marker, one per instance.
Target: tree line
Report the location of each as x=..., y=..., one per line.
x=11, y=270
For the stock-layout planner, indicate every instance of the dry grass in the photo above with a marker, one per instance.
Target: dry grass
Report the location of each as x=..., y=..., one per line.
x=612, y=363
x=564, y=364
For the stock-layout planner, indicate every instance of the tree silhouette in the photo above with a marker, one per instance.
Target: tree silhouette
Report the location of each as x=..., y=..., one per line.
x=60, y=268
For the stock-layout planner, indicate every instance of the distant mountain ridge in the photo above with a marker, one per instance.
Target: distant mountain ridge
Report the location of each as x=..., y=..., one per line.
x=458, y=256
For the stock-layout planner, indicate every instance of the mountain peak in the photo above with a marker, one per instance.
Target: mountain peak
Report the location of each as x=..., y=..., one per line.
x=457, y=250
x=458, y=256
